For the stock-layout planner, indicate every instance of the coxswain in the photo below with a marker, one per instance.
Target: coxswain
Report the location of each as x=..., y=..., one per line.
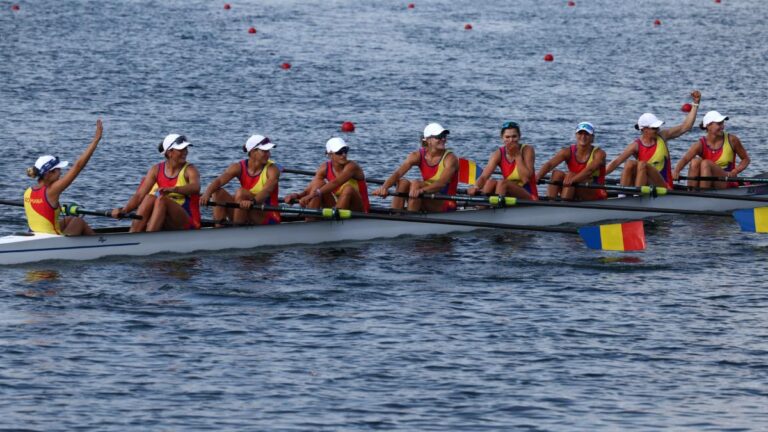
x=517, y=163
x=439, y=172
x=338, y=182
x=168, y=197
x=258, y=176
x=653, y=165
x=586, y=164
x=41, y=202
x=714, y=155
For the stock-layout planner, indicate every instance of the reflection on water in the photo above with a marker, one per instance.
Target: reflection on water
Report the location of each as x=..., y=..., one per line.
x=621, y=259
x=181, y=269
x=34, y=276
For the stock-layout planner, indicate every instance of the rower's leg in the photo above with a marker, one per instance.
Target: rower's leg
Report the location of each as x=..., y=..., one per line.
x=167, y=215
x=403, y=186
x=641, y=178
x=510, y=189
x=567, y=193
x=489, y=188
x=553, y=190
x=75, y=226
x=220, y=213
x=350, y=199
x=145, y=211
x=241, y=216
x=629, y=174
x=694, y=171
x=709, y=168
x=654, y=176
x=414, y=204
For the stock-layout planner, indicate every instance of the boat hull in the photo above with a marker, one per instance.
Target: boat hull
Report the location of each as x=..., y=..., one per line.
x=20, y=249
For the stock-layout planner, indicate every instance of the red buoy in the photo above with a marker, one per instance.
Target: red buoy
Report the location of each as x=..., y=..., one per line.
x=571, y=3
x=15, y=7
x=227, y=6
x=467, y=26
x=686, y=108
x=252, y=30
x=285, y=66
x=347, y=126
x=411, y=5
x=657, y=23
x=549, y=57
x=717, y=1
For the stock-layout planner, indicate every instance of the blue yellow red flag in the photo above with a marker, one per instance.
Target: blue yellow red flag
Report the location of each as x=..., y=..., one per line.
x=467, y=171
x=628, y=236
x=752, y=220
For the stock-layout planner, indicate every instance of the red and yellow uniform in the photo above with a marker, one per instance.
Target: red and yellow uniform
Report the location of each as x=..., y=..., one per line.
x=657, y=155
x=510, y=172
x=42, y=217
x=255, y=184
x=724, y=157
x=598, y=176
x=190, y=204
x=360, y=185
x=432, y=173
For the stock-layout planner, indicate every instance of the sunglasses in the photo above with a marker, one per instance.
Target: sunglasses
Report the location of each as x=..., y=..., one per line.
x=342, y=151
x=510, y=124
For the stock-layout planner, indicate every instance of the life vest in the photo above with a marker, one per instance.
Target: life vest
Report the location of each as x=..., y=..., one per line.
x=255, y=184
x=598, y=176
x=510, y=172
x=432, y=173
x=657, y=155
x=42, y=217
x=190, y=204
x=360, y=185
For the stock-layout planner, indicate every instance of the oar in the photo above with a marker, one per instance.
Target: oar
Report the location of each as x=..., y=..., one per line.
x=75, y=210
x=628, y=236
x=655, y=191
x=727, y=179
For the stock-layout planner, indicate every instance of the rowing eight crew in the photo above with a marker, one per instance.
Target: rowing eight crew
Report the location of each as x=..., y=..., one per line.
x=168, y=197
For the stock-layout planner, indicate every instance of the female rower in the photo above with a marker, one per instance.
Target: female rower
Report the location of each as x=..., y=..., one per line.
x=258, y=176
x=714, y=154
x=168, y=197
x=586, y=163
x=653, y=164
x=439, y=170
x=41, y=202
x=517, y=167
x=338, y=182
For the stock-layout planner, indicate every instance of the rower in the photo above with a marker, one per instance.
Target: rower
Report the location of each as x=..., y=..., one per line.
x=517, y=167
x=714, y=154
x=439, y=171
x=338, y=182
x=41, y=202
x=653, y=165
x=168, y=197
x=586, y=163
x=258, y=176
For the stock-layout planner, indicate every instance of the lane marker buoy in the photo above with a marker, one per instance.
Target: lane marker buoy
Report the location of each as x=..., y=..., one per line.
x=348, y=127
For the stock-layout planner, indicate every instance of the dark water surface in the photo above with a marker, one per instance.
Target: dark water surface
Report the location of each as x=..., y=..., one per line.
x=477, y=331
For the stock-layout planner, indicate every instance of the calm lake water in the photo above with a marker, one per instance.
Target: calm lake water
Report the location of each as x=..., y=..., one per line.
x=478, y=331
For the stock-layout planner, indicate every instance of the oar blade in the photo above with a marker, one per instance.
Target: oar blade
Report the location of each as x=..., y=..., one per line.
x=467, y=171
x=627, y=236
x=753, y=219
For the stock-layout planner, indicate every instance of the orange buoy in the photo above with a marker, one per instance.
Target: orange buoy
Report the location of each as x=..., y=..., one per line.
x=347, y=126
x=657, y=23
x=467, y=26
x=571, y=3
x=15, y=7
x=411, y=5
x=686, y=107
x=285, y=66
x=252, y=30
x=227, y=6
x=549, y=57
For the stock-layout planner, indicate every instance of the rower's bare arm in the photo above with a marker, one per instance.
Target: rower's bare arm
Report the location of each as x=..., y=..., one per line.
x=410, y=161
x=297, y=196
x=493, y=162
x=451, y=163
x=586, y=173
x=134, y=201
x=193, y=182
x=273, y=179
x=231, y=172
x=678, y=130
x=686, y=159
x=628, y=151
x=526, y=163
x=55, y=190
x=351, y=170
x=741, y=152
x=551, y=164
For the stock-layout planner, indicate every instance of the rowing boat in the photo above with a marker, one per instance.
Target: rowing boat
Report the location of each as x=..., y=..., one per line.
x=26, y=248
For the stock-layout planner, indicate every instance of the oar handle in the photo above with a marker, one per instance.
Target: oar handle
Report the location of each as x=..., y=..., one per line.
x=726, y=179
x=74, y=210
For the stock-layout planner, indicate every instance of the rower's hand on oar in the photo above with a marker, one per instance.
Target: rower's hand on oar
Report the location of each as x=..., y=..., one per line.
x=415, y=191
x=246, y=204
x=381, y=192
x=472, y=190
x=117, y=213
x=204, y=199
x=290, y=198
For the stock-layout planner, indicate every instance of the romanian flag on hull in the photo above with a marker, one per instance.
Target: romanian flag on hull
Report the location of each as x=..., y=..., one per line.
x=467, y=171
x=628, y=236
x=752, y=220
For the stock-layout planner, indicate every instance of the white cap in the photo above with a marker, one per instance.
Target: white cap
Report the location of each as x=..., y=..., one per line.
x=47, y=163
x=648, y=120
x=712, y=117
x=175, y=141
x=258, y=141
x=335, y=144
x=586, y=127
x=435, y=129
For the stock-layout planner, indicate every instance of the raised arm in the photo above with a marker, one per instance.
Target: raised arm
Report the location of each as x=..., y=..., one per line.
x=675, y=131
x=55, y=190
